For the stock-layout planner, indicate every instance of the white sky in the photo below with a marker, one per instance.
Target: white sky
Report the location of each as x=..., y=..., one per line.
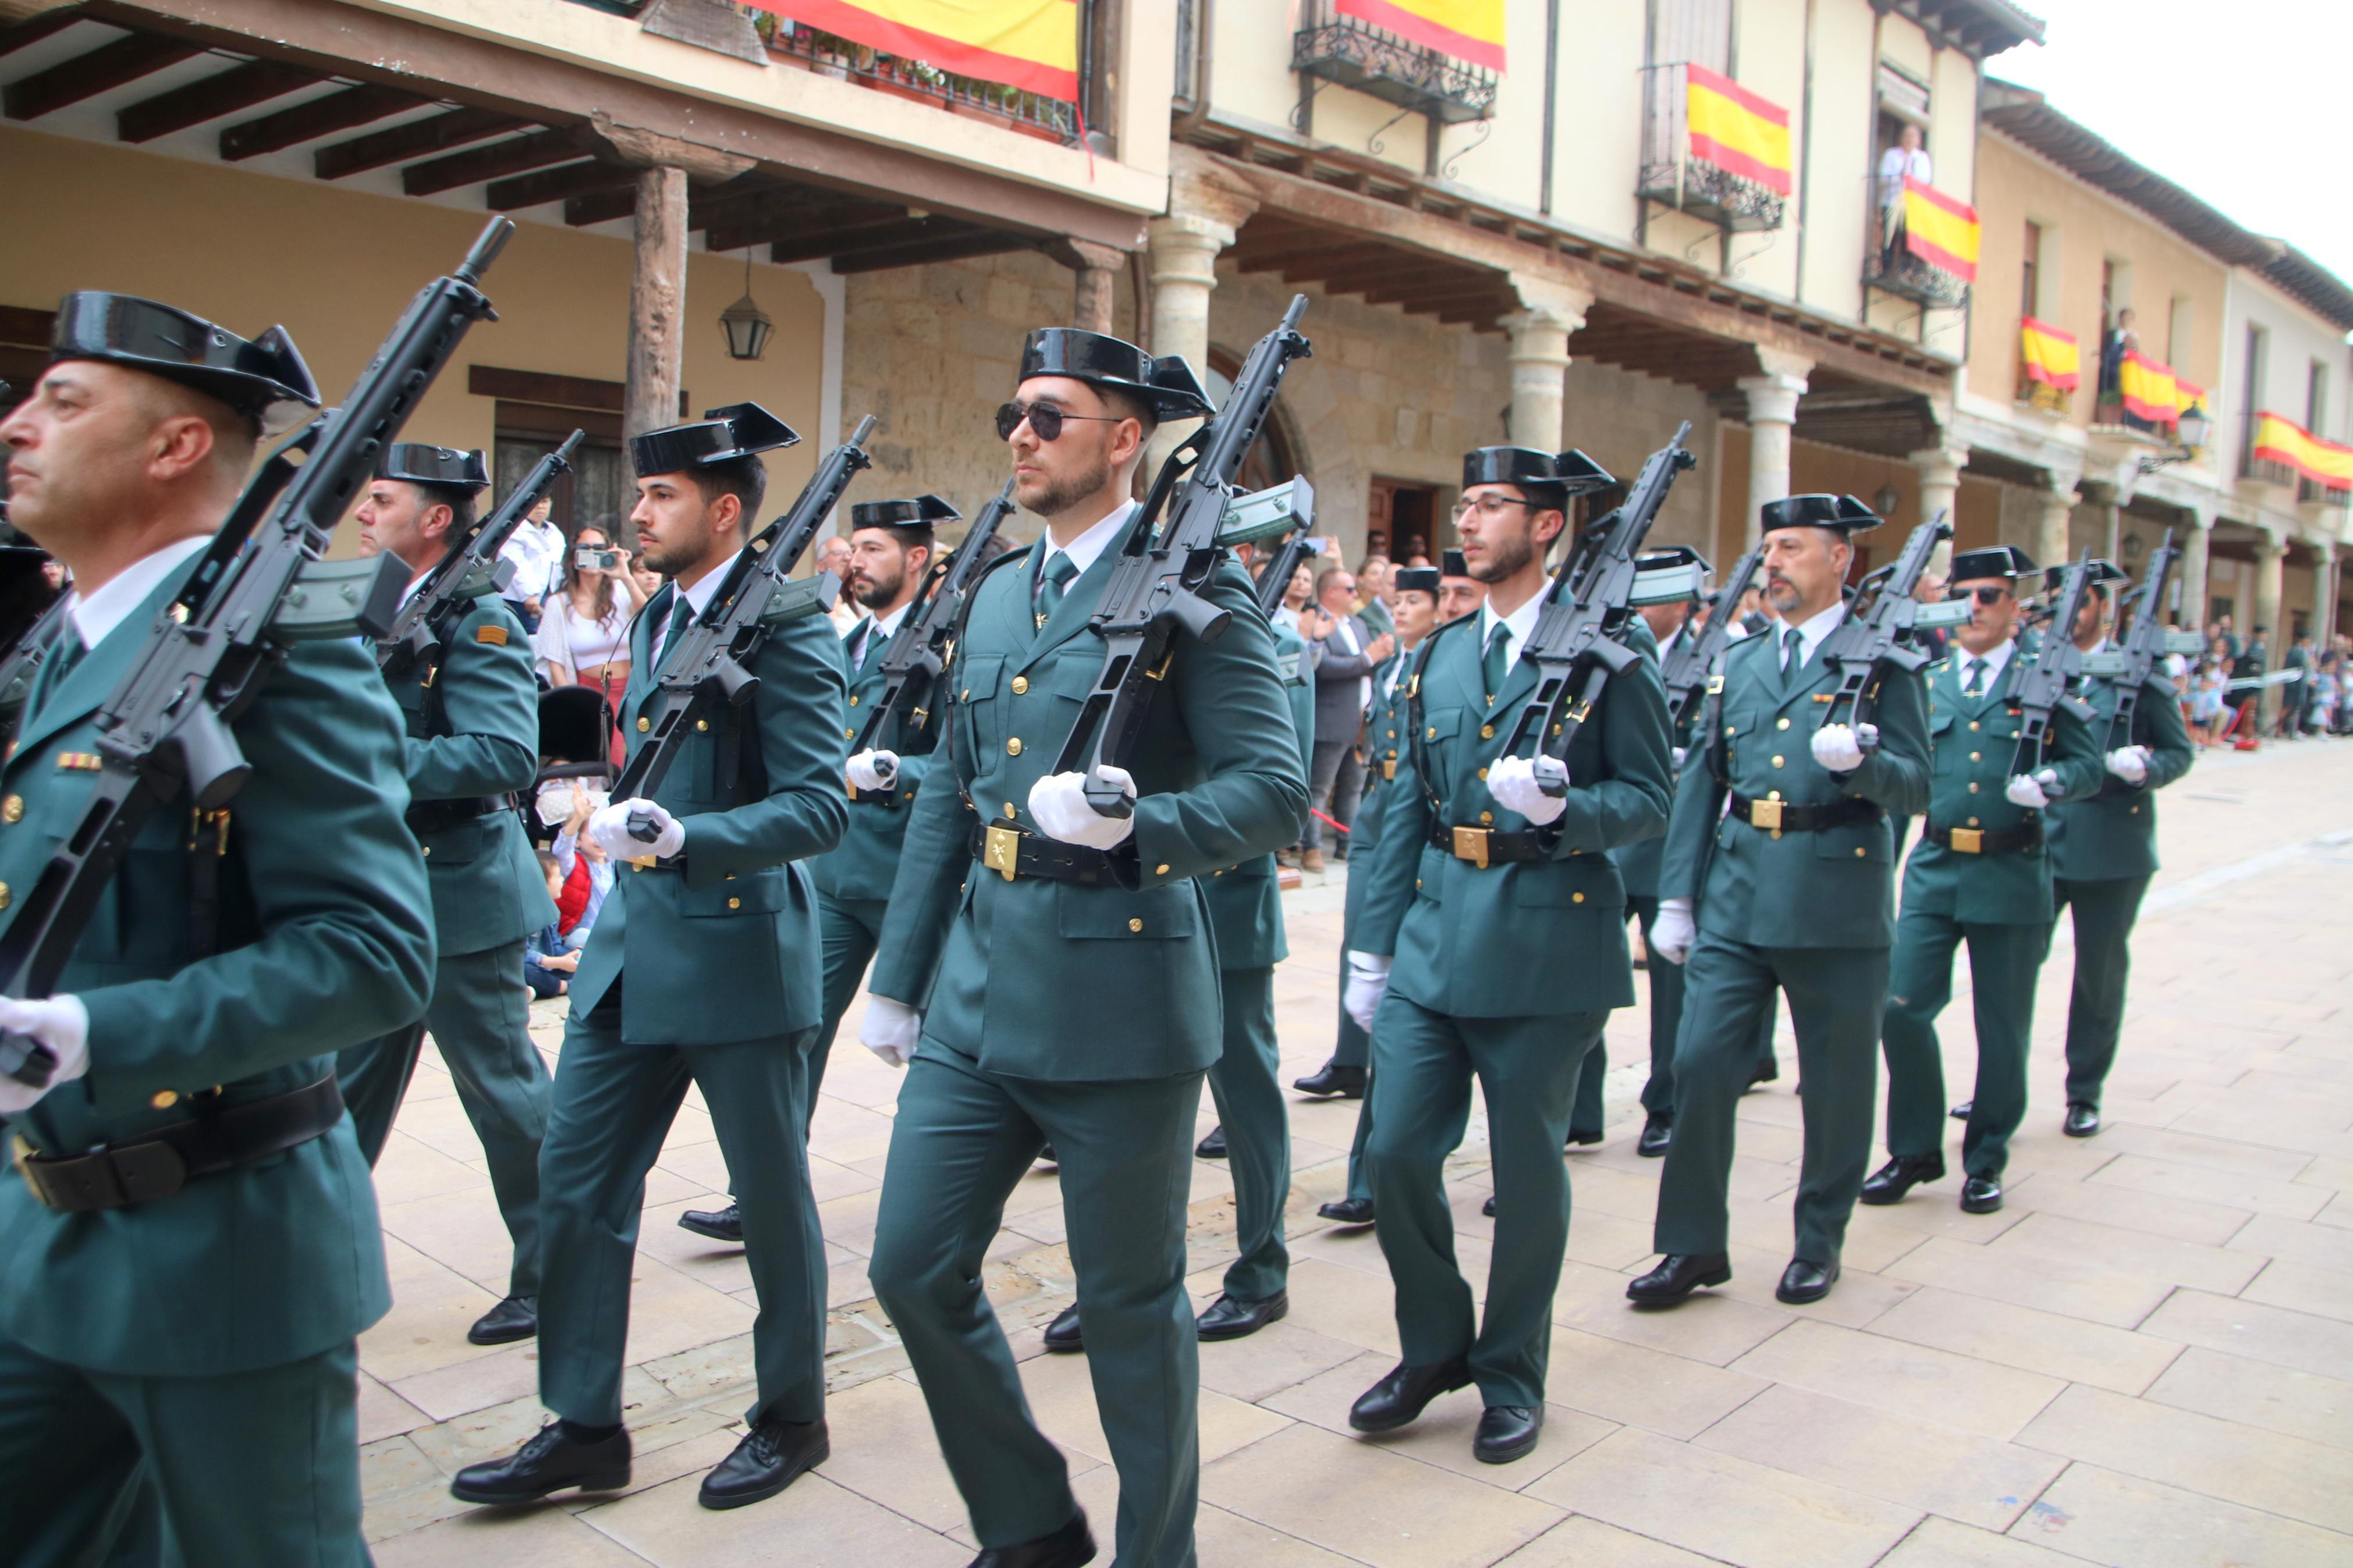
x=2243, y=102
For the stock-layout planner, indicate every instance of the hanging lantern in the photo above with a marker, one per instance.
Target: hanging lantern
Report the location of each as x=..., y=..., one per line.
x=746, y=325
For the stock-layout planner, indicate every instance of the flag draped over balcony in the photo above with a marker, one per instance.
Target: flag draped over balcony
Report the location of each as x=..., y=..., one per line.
x=1939, y=230
x=1736, y=131
x=2147, y=389
x=2326, y=464
x=1033, y=44
x=1471, y=30
x=2049, y=355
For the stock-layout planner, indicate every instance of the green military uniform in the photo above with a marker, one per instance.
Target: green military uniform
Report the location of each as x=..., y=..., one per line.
x=1376, y=619
x=473, y=719
x=1809, y=912
x=1385, y=758
x=703, y=968
x=2103, y=854
x=205, y=1340
x=1505, y=971
x=1998, y=900
x=1079, y=1013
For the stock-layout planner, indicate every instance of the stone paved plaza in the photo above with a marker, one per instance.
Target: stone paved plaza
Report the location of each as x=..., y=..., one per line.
x=2145, y=1359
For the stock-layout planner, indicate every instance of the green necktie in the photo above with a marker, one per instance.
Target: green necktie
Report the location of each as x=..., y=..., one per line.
x=1057, y=581
x=57, y=663
x=1974, y=685
x=1793, y=655
x=1498, y=662
x=682, y=615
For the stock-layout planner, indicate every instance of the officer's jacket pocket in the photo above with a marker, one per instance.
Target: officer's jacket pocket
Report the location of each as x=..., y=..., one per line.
x=459, y=845
x=764, y=891
x=1940, y=723
x=1581, y=882
x=1431, y=881
x=1145, y=914
x=1868, y=842
x=1439, y=725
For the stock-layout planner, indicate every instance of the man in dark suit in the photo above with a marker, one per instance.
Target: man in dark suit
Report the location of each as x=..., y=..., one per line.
x=1342, y=688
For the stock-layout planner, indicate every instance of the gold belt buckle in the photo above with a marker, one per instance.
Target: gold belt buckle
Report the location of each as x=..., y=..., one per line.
x=1969, y=841
x=1000, y=851
x=22, y=1153
x=1765, y=814
x=1388, y=767
x=1470, y=844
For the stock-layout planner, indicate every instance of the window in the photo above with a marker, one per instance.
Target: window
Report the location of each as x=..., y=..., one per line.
x=2029, y=294
x=2181, y=330
x=2252, y=395
x=2316, y=399
x=1691, y=32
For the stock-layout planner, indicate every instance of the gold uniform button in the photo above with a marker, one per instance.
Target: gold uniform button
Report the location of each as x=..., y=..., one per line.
x=4, y=895
x=849, y=734
x=11, y=809
x=1973, y=787
x=1431, y=733
x=1483, y=774
x=1008, y=808
x=1973, y=822
x=426, y=850
x=1486, y=731
x=1576, y=898
x=1136, y=925
x=1772, y=795
x=1776, y=761
x=1020, y=684
x=165, y=1098
x=1161, y=870
x=735, y=903
x=1013, y=746
x=1392, y=734
x=1780, y=723
x=1486, y=816
x=1977, y=757
x=1858, y=852
x=853, y=702
x=644, y=725
x=701, y=724
x=1973, y=724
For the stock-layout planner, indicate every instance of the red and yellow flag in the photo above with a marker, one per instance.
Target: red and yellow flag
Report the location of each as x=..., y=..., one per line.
x=1939, y=230
x=1033, y=44
x=2049, y=355
x=2324, y=463
x=2147, y=388
x=1471, y=30
x=1738, y=131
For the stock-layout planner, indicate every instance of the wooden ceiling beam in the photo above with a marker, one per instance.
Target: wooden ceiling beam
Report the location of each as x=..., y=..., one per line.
x=814, y=244
x=495, y=160
x=320, y=117
x=414, y=140
x=225, y=92
x=104, y=68
x=964, y=247
x=24, y=34
x=564, y=181
x=785, y=230
x=601, y=207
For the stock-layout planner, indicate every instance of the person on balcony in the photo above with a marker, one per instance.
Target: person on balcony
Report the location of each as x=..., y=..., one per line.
x=1906, y=160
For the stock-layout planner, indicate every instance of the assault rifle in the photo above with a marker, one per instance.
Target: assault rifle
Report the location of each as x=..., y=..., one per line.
x=1576, y=644
x=2044, y=687
x=1686, y=668
x=711, y=661
x=471, y=568
x=919, y=648
x=1878, y=638
x=1156, y=584
x=2144, y=642
x=261, y=585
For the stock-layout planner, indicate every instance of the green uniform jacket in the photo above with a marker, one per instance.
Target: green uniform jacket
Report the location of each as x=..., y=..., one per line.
x=2114, y=834
x=1465, y=938
x=1386, y=761
x=1246, y=901
x=1972, y=742
x=1376, y=619
x=324, y=940
x=1037, y=978
x=1639, y=864
x=473, y=732
x=868, y=857
x=724, y=949
x=1831, y=888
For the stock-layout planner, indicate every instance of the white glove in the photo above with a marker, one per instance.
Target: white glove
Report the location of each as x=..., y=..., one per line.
x=875, y=770
x=2032, y=790
x=1058, y=804
x=1514, y=781
x=1368, y=982
x=2130, y=764
x=60, y=1022
x=890, y=1030
x=1839, y=747
x=1672, y=931
x=1681, y=752
x=609, y=830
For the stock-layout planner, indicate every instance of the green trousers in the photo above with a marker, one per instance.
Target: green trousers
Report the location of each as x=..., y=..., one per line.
x=2104, y=913
x=849, y=931
x=615, y=1103
x=1423, y=1065
x=1258, y=1133
x=1666, y=982
x=961, y=1140
x=1835, y=998
x=2003, y=961
x=481, y=1018
x=245, y=1468
x=1353, y=1047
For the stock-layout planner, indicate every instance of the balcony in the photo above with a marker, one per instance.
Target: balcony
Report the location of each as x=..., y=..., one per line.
x=2278, y=451
x=2050, y=366
x=1713, y=149
x=1352, y=53
x=1921, y=245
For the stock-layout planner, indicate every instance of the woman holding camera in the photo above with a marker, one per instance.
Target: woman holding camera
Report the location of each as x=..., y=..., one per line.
x=583, y=639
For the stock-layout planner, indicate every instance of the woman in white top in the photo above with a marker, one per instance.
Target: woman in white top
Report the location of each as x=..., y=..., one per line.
x=583, y=638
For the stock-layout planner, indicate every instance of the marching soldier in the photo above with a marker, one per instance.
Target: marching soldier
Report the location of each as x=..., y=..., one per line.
x=472, y=713
x=703, y=968
x=1057, y=966
x=1980, y=873
x=188, y=1242
x=1507, y=923
x=2104, y=852
x=1779, y=876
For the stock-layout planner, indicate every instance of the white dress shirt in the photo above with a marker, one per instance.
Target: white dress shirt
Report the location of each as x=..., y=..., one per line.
x=537, y=551
x=97, y=612
x=881, y=628
x=1523, y=622
x=1995, y=662
x=1894, y=164
x=1810, y=634
x=1087, y=547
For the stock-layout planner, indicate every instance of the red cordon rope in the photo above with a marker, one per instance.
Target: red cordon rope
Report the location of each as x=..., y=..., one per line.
x=1321, y=818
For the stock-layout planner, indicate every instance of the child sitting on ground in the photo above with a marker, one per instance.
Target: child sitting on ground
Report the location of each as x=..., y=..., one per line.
x=547, y=961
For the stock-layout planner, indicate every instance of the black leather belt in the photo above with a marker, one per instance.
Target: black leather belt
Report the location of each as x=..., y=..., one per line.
x=143, y=1170
x=1975, y=841
x=1010, y=853
x=883, y=799
x=1782, y=816
x=1485, y=847
x=433, y=815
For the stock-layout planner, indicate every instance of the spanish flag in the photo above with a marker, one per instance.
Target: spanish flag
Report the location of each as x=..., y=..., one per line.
x=1033, y=44
x=2326, y=463
x=1738, y=131
x=1470, y=30
x=2049, y=355
x=1939, y=230
x=2147, y=388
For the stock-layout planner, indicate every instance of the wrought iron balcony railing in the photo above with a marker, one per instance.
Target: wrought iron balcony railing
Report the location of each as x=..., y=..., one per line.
x=1351, y=53
x=1675, y=174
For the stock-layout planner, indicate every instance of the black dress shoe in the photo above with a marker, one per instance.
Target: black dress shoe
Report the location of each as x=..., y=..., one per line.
x=1399, y=1399
x=1063, y=1335
x=1981, y=1195
x=1072, y=1546
x=1488, y=1208
x=1805, y=1281
x=719, y=1225
x=1506, y=1432
x=2082, y=1120
x=1333, y=1078
x=1677, y=1276
x=1961, y=1113
x=1768, y=1071
x=1888, y=1183
x=773, y=1456
x=516, y=1317
x=1231, y=1318
x=1577, y=1138
x=1657, y=1133
x=1349, y=1211
x=548, y=1463
x=1213, y=1147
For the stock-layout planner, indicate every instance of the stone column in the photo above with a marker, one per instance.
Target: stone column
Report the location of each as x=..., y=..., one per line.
x=1094, y=266
x=2323, y=594
x=1552, y=311
x=1181, y=250
x=1772, y=410
x=656, y=362
x=2270, y=558
x=2053, y=547
x=1940, y=488
x=2193, y=570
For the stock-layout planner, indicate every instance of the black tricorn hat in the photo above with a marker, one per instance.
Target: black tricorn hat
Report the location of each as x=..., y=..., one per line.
x=1843, y=513
x=920, y=512
x=421, y=464
x=1545, y=475
x=1416, y=579
x=2102, y=572
x=1451, y=564
x=1993, y=560
x=1166, y=384
x=721, y=436
x=257, y=378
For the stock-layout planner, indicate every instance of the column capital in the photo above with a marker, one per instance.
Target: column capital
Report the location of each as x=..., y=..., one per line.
x=1773, y=399
x=651, y=150
x=2270, y=546
x=1783, y=364
x=1085, y=254
x=1545, y=301
x=1200, y=185
x=1940, y=465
